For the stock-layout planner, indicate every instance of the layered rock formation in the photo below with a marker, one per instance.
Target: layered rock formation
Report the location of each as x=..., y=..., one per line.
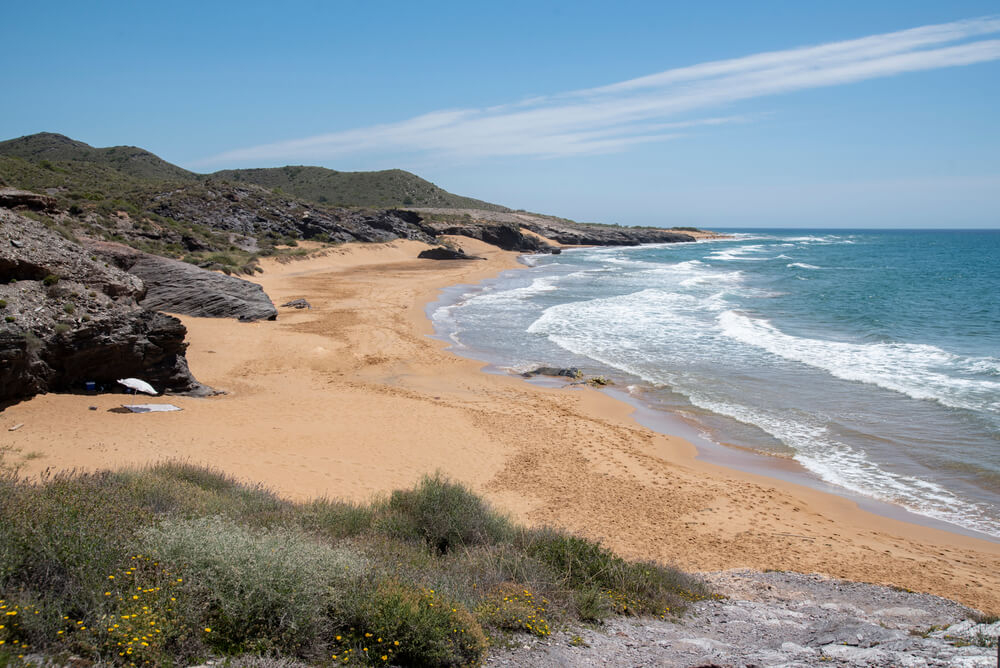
x=179, y=287
x=67, y=317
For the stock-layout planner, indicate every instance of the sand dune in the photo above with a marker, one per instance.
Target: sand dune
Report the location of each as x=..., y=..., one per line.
x=351, y=399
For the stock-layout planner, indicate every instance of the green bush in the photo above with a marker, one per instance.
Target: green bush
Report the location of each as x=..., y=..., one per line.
x=223, y=259
x=443, y=514
x=336, y=519
x=50, y=280
x=258, y=591
x=631, y=588
x=404, y=625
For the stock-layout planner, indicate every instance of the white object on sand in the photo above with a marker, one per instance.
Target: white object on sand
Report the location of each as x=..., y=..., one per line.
x=137, y=385
x=151, y=408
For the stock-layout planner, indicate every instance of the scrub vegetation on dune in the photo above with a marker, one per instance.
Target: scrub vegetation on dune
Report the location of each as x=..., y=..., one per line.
x=174, y=563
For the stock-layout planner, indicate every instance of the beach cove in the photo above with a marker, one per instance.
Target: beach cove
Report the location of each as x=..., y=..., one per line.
x=352, y=398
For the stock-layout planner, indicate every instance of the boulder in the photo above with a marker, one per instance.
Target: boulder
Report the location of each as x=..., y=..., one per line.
x=568, y=372
x=445, y=253
x=297, y=303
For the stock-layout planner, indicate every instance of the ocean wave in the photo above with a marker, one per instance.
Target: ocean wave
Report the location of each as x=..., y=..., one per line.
x=919, y=371
x=738, y=253
x=841, y=465
x=802, y=265
x=496, y=297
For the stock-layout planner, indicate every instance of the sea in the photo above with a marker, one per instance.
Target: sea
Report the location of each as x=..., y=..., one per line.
x=870, y=358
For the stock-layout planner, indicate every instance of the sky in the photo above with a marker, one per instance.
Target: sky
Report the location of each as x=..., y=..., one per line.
x=714, y=114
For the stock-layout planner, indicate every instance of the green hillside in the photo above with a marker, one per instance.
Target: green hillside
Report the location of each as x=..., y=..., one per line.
x=119, y=168
x=129, y=160
x=388, y=188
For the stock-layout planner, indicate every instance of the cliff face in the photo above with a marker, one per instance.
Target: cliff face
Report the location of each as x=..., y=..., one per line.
x=67, y=317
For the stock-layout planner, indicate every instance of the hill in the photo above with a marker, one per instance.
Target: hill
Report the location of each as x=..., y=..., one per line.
x=226, y=219
x=387, y=188
x=382, y=189
x=46, y=147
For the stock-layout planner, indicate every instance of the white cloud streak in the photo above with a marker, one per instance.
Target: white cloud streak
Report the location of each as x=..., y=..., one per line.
x=638, y=111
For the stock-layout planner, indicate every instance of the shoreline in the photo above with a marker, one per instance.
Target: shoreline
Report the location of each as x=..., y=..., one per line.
x=353, y=399
x=672, y=422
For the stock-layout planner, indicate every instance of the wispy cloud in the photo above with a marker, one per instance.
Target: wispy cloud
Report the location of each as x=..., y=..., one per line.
x=646, y=109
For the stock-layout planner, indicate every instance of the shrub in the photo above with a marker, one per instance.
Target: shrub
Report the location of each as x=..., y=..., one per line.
x=3, y=303
x=69, y=308
x=223, y=259
x=9, y=318
x=336, y=519
x=258, y=591
x=50, y=280
x=514, y=608
x=404, y=625
x=631, y=588
x=444, y=515
x=61, y=539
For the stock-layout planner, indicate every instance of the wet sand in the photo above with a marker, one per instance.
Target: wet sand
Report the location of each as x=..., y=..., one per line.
x=352, y=398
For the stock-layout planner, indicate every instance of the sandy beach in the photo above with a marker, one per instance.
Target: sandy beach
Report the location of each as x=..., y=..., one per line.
x=352, y=398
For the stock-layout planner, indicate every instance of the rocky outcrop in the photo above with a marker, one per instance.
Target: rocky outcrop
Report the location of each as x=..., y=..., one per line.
x=605, y=235
x=250, y=211
x=568, y=372
x=68, y=317
x=445, y=253
x=503, y=235
x=179, y=287
x=11, y=198
x=777, y=619
x=503, y=228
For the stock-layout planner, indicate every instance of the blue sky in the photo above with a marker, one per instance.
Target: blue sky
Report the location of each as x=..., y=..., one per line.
x=849, y=114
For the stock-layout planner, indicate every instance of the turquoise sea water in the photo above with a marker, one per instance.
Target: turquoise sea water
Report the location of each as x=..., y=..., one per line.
x=870, y=357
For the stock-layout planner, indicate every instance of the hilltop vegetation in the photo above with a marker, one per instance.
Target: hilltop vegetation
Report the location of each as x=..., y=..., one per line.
x=127, y=160
x=388, y=188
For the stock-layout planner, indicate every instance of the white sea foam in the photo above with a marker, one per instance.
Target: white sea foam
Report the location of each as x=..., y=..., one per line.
x=496, y=297
x=917, y=370
x=739, y=253
x=846, y=467
x=802, y=265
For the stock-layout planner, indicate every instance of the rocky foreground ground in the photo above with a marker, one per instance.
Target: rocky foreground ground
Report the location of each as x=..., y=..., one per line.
x=780, y=619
